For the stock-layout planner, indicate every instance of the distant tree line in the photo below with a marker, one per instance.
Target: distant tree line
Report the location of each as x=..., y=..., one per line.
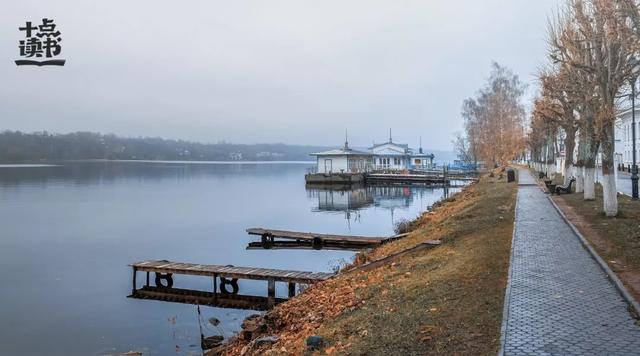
x=16, y=147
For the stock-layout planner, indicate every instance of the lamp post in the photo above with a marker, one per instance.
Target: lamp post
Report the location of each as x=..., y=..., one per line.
x=634, y=167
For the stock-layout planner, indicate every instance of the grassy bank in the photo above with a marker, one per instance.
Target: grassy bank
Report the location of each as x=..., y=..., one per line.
x=446, y=300
x=617, y=240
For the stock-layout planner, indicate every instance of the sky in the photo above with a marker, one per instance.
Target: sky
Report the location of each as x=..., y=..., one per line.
x=296, y=71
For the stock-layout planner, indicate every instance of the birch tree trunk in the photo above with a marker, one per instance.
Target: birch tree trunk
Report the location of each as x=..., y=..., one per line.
x=591, y=145
x=609, y=192
x=579, y=166
x=590, y=168
x=569, y=145
x=551, y=156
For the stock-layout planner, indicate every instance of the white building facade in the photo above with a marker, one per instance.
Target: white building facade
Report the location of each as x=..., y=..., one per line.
x=624, y=138
x=390, y=156
x=421, y=160
x=343, y=160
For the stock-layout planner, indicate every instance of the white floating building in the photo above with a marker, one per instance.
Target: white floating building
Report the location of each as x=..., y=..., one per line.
x=342, y=165
x=421, y=160
x=347, y=165
x=394, y=156
x=390, y=155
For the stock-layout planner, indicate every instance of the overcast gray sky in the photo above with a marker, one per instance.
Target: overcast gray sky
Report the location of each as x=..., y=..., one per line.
x=298, y=72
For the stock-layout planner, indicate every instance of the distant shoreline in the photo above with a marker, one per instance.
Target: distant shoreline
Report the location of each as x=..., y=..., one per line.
x=193, y=162
x=26, y=165
x=61, y=162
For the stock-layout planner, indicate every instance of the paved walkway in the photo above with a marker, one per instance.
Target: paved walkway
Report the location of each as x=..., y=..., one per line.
x=559, y=301
x=525, y=178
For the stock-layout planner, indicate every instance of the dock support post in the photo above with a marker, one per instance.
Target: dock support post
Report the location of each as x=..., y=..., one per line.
x=215, y=286
x=271, y=292
x=292, y=289
x=147, y=278
x=133, y=288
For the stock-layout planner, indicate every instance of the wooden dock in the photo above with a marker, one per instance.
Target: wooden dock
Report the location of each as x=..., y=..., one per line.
x=223, y=278
x=318, y=240
x=219, y=300
x=295, y=245
x=427, y=177
x=405, y=178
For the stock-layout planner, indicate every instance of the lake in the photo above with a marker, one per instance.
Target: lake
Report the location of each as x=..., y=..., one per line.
x=69, y=231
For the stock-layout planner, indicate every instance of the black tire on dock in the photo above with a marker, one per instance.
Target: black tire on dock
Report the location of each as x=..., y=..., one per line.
x=232, y=282
x=267, y=238
x=164, y=276
x=317, y=243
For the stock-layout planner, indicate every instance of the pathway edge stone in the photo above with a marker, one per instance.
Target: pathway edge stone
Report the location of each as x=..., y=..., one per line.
x=633, y=303
x=507, y=292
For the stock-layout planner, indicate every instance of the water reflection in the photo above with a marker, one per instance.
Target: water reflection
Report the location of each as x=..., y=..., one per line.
x=109, y=172
x=351, y=199
x=340, y=198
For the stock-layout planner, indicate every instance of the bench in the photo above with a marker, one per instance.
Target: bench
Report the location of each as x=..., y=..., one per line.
x=565, y=189
x=551, y=187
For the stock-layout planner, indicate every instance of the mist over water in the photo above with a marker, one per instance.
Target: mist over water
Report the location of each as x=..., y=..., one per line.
x=69, y=232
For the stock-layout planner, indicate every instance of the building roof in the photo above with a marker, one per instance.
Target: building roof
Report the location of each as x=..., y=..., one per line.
x=341, y=152
x=404, y=145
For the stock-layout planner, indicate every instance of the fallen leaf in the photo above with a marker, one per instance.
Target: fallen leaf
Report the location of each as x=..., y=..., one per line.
x=330, y=350
x=427, y=328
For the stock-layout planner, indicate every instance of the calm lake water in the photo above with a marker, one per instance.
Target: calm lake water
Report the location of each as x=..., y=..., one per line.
x=69, y=231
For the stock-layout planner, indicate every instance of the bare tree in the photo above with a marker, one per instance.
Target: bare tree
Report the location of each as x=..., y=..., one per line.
x=597, y=39
x=537, y=139
x=463, y=148
x=560, y=99
x=610, y=48
x=494, y=119
x=546, y=115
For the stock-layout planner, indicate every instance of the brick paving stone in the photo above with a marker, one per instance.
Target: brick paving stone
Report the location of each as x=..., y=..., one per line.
x=560, y=302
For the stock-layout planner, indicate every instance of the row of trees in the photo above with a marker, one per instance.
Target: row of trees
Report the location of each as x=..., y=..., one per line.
x=494, y=121
x=593, y=51
x=16, y=146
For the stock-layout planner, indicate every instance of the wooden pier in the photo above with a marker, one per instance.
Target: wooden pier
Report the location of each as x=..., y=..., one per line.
x=197, y=297
x=395, y=178
x=295, y=245
x=318, y=240
x=224, y=280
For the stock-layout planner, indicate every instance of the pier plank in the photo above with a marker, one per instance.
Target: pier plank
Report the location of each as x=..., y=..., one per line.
x=231, y=271
x=294, y=245
x=310, y=236
x=220, y=300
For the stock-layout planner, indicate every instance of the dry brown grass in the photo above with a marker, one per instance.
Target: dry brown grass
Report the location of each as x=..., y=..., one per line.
x=447, y=300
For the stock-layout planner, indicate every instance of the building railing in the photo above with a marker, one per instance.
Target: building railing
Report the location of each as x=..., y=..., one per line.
x=377, y=168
